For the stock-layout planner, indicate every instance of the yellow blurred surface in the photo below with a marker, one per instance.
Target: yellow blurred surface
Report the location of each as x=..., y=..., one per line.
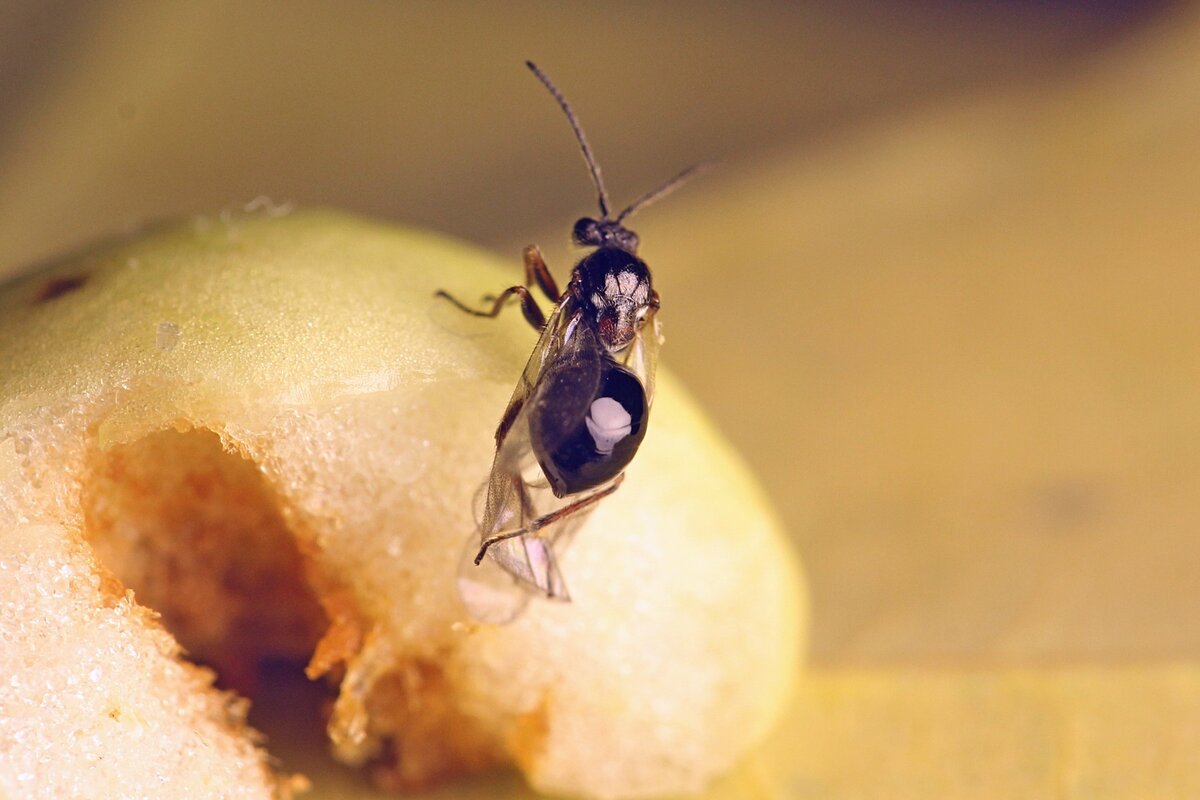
x=1064, y=733
x=942, y=295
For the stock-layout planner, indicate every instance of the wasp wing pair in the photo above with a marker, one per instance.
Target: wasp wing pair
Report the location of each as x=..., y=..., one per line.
x=526, y=516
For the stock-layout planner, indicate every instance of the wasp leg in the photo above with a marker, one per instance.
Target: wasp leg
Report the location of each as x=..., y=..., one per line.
x=533, y=314
x=537, y=272
x=551, y=518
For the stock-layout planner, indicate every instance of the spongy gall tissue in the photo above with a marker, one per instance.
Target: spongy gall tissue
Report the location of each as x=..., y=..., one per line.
x=265, y=446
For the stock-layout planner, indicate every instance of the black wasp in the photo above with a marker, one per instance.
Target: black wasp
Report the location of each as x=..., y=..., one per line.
x=580, y=409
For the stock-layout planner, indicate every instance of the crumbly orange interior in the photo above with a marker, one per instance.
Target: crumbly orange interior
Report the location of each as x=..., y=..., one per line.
x=198, y=536
x=195, y=532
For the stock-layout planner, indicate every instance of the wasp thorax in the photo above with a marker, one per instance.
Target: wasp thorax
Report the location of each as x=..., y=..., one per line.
x=590, y=232
x=614, y=286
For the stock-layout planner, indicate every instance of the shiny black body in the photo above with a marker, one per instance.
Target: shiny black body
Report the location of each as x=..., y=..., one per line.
x=587, y=417
x=583, y=402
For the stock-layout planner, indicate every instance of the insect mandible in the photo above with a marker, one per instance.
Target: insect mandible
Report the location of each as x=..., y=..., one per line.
x=580, y=409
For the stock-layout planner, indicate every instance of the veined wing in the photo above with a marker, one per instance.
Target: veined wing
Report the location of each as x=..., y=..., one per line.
x=555, y=338
x=642, y=354
x=517, y=493
x=530, y=558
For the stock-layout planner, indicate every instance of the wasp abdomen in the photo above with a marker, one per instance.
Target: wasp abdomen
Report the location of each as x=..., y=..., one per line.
x=587, y=423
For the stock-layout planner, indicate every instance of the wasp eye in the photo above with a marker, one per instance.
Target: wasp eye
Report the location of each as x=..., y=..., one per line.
x=626, y=239
x=586, y=232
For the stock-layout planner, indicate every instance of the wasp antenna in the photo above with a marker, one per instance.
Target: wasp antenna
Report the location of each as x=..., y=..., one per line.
x=583, y=142
x=666, y=188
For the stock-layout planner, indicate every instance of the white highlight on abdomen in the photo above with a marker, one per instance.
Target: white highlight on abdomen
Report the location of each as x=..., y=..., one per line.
x=608, y=422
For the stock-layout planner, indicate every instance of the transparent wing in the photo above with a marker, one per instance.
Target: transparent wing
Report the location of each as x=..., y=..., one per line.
x=493, y=594
x=556, y=337
x=517, y=494
x=642, y=354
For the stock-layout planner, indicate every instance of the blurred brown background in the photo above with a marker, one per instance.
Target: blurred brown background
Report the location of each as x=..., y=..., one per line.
x=942, y=292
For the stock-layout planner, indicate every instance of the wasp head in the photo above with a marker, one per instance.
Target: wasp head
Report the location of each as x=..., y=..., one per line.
x=590, y=232
x=614, y=289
